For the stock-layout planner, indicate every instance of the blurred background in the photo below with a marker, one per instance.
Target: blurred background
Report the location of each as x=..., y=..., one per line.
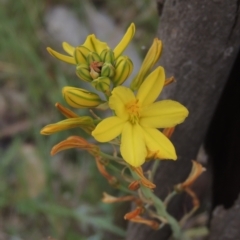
x=60, y=196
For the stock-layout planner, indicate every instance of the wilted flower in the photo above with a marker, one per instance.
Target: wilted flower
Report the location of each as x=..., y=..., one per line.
x=76, y=142
x=196, y=171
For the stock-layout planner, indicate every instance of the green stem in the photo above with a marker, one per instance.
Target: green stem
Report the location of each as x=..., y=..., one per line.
x=126, y=190
x=169, y=197
x=110, y=157
x=158, y=204
x=161, y=209
x=154, y=168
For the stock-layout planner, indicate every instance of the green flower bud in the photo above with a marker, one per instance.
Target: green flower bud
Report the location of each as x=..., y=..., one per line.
x=80, y=54
x=102, y=84
x=107, y=55
x=124, y=67
x=107, y=70
x=83, y=72
x=81, y=98
x=93, y=57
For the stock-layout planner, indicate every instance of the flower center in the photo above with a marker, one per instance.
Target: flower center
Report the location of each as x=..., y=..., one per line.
x=95, y=69
x=133, y=110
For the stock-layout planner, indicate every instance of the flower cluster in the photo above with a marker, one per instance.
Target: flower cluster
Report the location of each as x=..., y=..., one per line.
x=139, y=124
x=137, y=117
x=97, y=63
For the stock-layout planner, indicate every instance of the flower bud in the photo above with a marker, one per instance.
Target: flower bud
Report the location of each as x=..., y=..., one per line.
x=85, y=123
x=80, y=98
x=93, y=73
x=107, y=55
x=93, y=57
x=83, y=72
x=107, y=70
x=81, y=54
x=124, y=67
x=102, y=84
x=149, y=61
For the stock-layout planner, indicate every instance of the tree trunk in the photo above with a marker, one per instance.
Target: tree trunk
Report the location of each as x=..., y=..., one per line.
x=225, y=223
x=200, y=43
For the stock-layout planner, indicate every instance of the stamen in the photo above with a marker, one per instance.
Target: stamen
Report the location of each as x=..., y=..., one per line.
x=133, y=110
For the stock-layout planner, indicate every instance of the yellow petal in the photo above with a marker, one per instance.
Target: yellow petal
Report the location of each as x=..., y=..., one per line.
x=149, y=61
x=133, y=147
x=61, y=57
x=151, y=87
x=108, y=129
x=94, y=44
x=68, y=48
x=120, y=97
x=80, y=54
x=163, y=114
x=159, y=144
x=125, y=41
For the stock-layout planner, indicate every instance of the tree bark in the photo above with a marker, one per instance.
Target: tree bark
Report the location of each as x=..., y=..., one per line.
x=225, y=223
x=200, y=43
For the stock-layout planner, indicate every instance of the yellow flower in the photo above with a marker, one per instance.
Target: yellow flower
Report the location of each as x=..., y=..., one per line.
x=137, y=118
x=95, y=59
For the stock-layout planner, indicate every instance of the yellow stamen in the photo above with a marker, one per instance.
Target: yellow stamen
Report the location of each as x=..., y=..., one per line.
x=133, y=109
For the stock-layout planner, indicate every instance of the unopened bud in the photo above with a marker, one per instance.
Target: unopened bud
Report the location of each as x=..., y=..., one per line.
x=80, y=98
x=107, y=55
x=124, y=67
x=107, y=70
x=93, y=57
x=83, y=72
x=81, y=54
x=93, y=73
x=102, y=84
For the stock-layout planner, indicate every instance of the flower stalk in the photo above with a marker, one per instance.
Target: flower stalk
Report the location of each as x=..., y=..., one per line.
x=139, y=127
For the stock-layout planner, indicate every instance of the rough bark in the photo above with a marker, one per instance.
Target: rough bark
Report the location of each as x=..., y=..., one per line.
x=225, y=223
x=201, y=41
x=223, y=142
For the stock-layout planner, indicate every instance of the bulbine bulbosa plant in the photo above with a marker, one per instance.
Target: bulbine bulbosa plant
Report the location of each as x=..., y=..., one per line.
x=136, y=125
